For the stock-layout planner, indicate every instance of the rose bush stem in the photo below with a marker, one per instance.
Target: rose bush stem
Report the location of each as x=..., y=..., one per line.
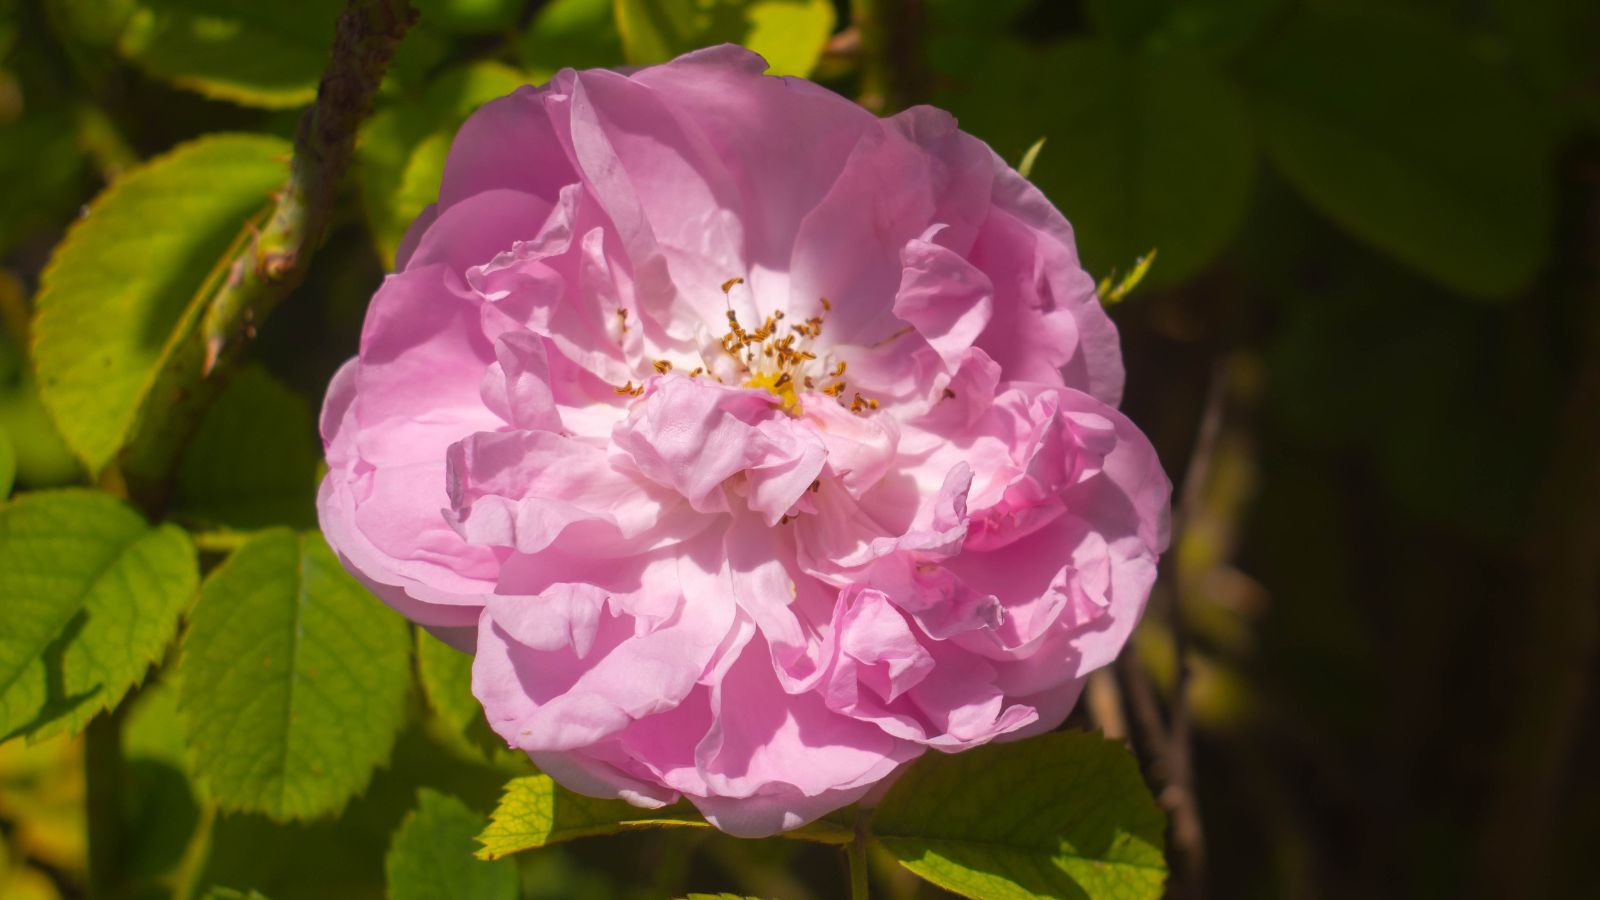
x=858, y=860
x=275, y=260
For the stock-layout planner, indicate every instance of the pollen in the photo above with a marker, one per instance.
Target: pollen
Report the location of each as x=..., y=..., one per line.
x=782, y=360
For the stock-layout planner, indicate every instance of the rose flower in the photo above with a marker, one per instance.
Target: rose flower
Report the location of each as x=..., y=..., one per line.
x=754, y=444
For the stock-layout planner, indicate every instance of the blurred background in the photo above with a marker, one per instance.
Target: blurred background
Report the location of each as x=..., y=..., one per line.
x=1367, y=348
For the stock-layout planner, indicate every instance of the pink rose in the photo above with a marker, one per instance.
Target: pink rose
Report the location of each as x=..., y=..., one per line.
x=755, y=444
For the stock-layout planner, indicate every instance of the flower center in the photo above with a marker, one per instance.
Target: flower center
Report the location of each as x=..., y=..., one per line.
x=779, y=358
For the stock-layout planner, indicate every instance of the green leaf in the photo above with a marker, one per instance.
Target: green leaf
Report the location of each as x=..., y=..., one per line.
x=580, y=34
x=1211, y=27
x=253, y=461
x=470, y=16
x=293, y=679
x=218, y=892
x=432, y=855
x=446, y=676
x=1145, y=150
x=257, y=54
x=403, y=147
x=92, y=596
x=791, y=34
x=39, y=457
x=1396, y=131
x=1063, y=815
x=42, y=168
x=8, y=465
x=163, y=817
x=537, y=812
x=128, y=283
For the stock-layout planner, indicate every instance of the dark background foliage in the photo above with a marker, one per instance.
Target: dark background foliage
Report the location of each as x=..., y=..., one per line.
x=1368, y=350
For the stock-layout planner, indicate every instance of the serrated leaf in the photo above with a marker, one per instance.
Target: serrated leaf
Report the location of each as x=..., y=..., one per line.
x=403, y=146
x=581, y=34
x=537, y=812
x=293, y=679
x=257, y=54
x=1060, y=815
x=92, y=597
x=791, y=34
x=1395, y=130
x=253, y=461
x=1145, y=150
x=432, y=855
x=125, y=286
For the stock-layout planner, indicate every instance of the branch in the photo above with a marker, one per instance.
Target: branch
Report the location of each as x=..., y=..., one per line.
x=368, y=33
x=271, y=264
x=1169, y=740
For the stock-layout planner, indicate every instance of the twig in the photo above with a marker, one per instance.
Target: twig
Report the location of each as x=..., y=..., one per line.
x=274, y=262
x=1169, y=738
x=1105, y=705
x=1188, y=831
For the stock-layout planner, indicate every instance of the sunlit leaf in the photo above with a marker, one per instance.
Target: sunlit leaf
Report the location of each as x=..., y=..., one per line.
x=1059, y=815
x=791, y=34
x=581, y=34
x=92, y=596
x=125, y=286
x=293, y=679
x=537, y=812
x=258, y=54
x=403, y=146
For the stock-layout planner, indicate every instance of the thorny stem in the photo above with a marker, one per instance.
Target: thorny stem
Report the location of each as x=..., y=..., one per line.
x=273, y=262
